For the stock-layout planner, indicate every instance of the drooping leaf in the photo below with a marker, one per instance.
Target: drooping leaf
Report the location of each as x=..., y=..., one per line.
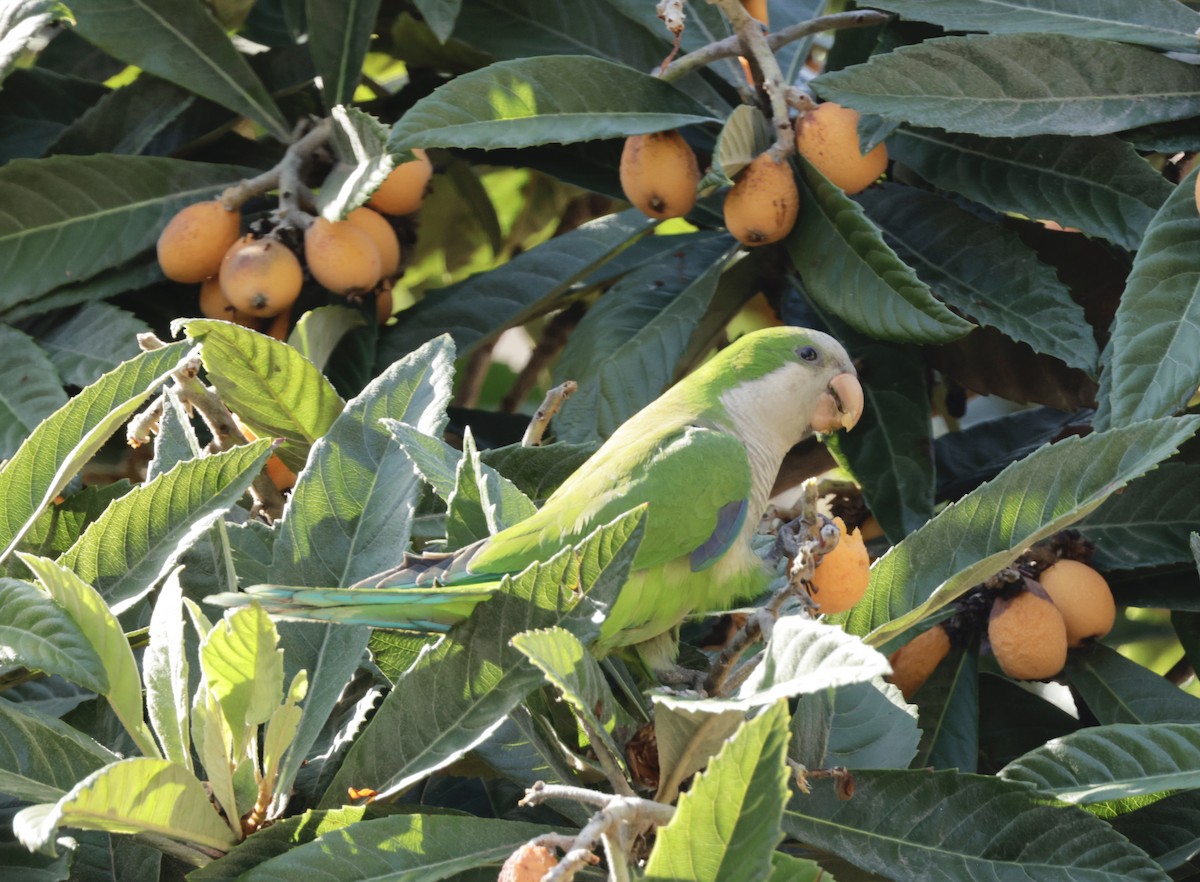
x=30, y=388
x=140, y=536
x=92, y=342
x=1117, y=690
x=537, y=471
x=551, y=99
x=890, y=451
x=482, y=502
x=85, y=605
x=319, y=331
x=984, y=531
x=1161, y=24
x=50, y=237
x=850, y=271
x=165, y=672
x=1150, y=523
x=182, y=43
x=1168, y=830
x=131, y=796
x=626, y=350
x=727, y=825
x=60, y=445
x=1098, y=185
x=416, y=846
x=42, y=757
x=421, y=726
x=37, y=106
x=275, y=390
x=39, y=634
x=350, y=516
x=126, y=120
x=1063, y=85
x=984, y=271
x=133, y=275
x=909, y=825
x=1152, y=364
x=339, y=32
x=949, y=719
x=1113, y=762
x=533, y=283
x=869, y=727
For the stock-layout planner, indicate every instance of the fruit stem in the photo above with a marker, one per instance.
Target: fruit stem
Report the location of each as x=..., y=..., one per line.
x=731, y=47
x=286, y=176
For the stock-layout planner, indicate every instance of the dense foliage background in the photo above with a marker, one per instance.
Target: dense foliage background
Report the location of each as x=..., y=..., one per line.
x=1021, y=292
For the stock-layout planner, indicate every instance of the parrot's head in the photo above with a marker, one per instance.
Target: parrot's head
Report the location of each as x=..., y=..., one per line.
x=796, y=376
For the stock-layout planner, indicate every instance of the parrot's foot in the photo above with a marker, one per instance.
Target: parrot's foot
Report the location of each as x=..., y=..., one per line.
x=681, y=679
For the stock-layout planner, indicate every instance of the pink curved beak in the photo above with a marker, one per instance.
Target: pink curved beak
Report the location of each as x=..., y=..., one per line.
x=839, y=406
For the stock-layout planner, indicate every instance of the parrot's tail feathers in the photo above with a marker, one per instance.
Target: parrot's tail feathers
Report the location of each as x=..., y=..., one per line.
x=424, y=610
x=431, y=570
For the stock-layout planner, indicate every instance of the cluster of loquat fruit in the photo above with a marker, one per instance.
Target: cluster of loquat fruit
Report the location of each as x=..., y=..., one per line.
x=254, y=279
x=660, y=174
x=1030, y=626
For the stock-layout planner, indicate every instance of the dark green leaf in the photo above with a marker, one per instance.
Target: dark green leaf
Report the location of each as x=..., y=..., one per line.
x=182, y=43
x=279, y=838
x=916, y=826
x=850, y=271
x=482, y=502
x=30, y=388
x=125, y=120
x=890, y=450
x=949, y=702
x=1149, y=524
x=1166, y=24
x=339, y=32
x=138, y=273
x=37, y=106
x=41, y=758
x=50, y=236
x=1098, y=185
x=870, y=728
x=1152, y=363
x=626, y=350
x=1113, y=762
x=1063, y=85
x=537, y=471
x=984, y=531
x=552, y=99
x=440, y=15
x=533, y=283
x=1168, y=830
x=92, y=342
x=1117, y=690
x=984, y=271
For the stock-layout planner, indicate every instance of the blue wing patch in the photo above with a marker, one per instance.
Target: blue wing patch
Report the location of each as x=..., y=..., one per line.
x=730, y=518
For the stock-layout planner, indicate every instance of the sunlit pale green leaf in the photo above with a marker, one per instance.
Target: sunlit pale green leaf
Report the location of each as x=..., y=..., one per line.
x=552, y=99
x=482, y=502
x=984, y=531
x=243, y=669
x=39, y=634
x=131, y=796
x=1063, y=85
x=165, y=672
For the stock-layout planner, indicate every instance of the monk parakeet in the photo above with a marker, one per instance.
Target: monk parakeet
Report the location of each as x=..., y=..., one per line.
x=704, y=456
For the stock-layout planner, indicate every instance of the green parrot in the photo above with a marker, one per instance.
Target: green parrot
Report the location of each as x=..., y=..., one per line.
x=703, y=458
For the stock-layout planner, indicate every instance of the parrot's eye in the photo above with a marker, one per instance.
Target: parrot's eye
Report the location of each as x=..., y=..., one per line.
x=808, y=353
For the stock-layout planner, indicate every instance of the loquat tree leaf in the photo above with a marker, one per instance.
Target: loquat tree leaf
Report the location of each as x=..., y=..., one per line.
x=243, y=670
x=39, y=634
x=909, y=826
x=424, y=725
x=704, y=25
x=688, y=733
x=50, y=236
x=482, y=502
x=133, y=275
x=848, y=270
x=1152, y=362
x=987, y=529
x=92, y=342
x=788, y=868
x=1117, y=690
x=745, y=134
x=949, y=715
x=440, y=15
x=182, y=43
x=627, y=349
x=319, y=331
x=41, y=757
x=414, y=846
x=30, y=388
x=1166, y=829
x=165, y=672
x=125, y=120
x=869, y=726
x=889, y=453
x=1150, y=523
x=85, y=605
x=727, y=825
x=551, y=99
x=339, y=32
x=139, y=795
x=1099, y=185
x=1164, y=24
x=1063, y=86
x=272, y=388
x=38, y=106
x=359, y=141
x=1112, y=762
x=20, y=22
x=537, y=471
x=139, y=538
x=350, y=516
x=533, y=283
x=68, y=438
x=984, y=271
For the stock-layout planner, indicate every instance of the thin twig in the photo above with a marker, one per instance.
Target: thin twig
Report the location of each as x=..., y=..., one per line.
x=754, y=45
x=550, y=405
x=730, y=47
x=285, y=176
